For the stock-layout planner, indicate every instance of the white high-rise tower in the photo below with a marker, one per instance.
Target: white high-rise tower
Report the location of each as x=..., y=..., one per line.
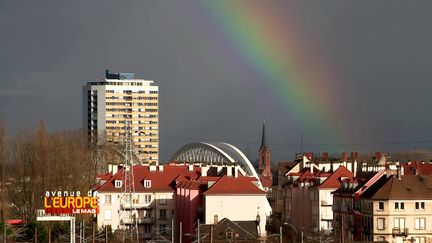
x=111, y=103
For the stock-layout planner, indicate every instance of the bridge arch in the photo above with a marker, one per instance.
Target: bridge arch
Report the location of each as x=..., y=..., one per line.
x=214, y=153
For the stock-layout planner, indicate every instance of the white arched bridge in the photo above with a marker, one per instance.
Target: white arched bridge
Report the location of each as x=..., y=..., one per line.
x=214, y=154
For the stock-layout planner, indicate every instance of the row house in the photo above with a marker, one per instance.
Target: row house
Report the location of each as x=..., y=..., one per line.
x=307, y=192
x=171, y=195
x=353, y=208
x=346, y=205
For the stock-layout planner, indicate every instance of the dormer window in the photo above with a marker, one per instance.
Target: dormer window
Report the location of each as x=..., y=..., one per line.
x=118, y=183
x=147, y=183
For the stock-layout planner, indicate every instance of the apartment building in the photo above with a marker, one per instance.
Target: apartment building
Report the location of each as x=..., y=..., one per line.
x=322, y=200
x=118, y=101
x=211, y=199
x=307, y=189
x=347, y=220
x=399, y=210
x=153, y=200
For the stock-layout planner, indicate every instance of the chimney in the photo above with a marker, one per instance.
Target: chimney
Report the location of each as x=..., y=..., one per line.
x=309, y=156
x=377, y=155
x=110, y=168
x=402, y=170
x=325, y=156
x=350, y=166
x=354, y=155
x=114, y=169
x=355, y=168
x=190, y=167
x=229, y=170
x=304, y=162
x=235, y=171
x=398, y=169
x=344, y=157
x=161, y=168
x=204, y=170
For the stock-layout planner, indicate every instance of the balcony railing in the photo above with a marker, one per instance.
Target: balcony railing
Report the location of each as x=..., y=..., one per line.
x=400, y=231
x=127, y=205
x=139, y=221
x=145, y=221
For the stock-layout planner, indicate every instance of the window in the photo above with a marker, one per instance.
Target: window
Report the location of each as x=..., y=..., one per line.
x=136, y=200
x=399, y=205
x=399, y=223
x=420, y=205
x=147, y=198
x=420, y=239
x=162, y=200
x=380, y=205
x=118, y=183
x=147, y=183
x=162, y=214
x=107, y=199
x=380, y=223
x=147, y=213
x=420, y=223
x=147, y=228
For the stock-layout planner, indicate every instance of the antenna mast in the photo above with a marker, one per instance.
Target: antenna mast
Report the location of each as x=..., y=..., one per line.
x=128, y=212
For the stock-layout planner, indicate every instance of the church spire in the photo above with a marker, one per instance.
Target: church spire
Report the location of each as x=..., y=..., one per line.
x=264, y=138
x=264, y=164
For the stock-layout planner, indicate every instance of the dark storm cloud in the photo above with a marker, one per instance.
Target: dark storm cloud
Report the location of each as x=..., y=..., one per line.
x=381, y=49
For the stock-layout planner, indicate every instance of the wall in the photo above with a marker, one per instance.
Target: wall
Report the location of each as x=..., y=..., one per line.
x=235, y=208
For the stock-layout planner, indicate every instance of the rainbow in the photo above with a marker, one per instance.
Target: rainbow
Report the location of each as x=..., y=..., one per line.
x=300, y=82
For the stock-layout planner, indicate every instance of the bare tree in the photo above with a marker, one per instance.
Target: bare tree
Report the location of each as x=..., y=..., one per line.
x=4, y=157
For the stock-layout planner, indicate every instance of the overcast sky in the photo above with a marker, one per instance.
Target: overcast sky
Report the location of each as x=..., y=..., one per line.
x=377, y=54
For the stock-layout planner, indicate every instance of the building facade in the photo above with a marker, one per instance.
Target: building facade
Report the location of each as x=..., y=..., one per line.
x=120, y=99
x=153, y=201
x=213, y=197
x=400, y=210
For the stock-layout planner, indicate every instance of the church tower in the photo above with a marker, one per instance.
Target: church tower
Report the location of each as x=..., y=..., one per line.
x=264, y=156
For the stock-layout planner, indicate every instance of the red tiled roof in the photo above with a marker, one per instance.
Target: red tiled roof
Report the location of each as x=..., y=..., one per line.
x=104, y=176
x=160, y=180
x=333, y=180
x=208, y=178
x=234, y=185
x=307, y=176
x=419, y=168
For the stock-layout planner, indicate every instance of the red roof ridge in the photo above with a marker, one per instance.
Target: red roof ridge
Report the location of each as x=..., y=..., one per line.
x=226, y=185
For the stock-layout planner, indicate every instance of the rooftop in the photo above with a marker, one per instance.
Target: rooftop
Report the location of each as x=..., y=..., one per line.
x=234, y=185
x=405, y=187
x=161, y=180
